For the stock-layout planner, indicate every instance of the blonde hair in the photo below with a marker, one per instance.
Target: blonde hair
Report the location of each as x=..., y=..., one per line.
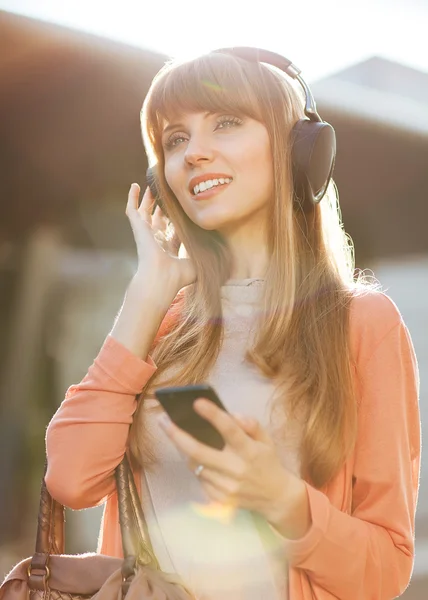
x=302, y=337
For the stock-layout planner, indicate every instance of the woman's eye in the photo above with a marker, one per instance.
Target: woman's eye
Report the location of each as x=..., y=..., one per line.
x=226, y=122
x=174, y=139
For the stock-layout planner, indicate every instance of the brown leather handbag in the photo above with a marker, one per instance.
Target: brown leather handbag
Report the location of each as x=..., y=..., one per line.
x=52, y=575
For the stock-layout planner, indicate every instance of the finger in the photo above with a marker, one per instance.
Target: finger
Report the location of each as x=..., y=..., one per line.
x=132, y=207
x=225, y=423
x=252, y=428
x=233, y=472
x=133, y=197
x=146, y=207
x=224, y=483
x=159, y=221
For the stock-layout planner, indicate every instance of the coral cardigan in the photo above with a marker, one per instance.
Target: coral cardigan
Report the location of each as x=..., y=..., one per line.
x=361, y=542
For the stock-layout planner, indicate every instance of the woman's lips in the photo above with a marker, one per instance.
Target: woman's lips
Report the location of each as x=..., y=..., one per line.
x=211, y=192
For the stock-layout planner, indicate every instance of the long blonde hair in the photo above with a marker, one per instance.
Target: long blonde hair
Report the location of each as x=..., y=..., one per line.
x=302, y=338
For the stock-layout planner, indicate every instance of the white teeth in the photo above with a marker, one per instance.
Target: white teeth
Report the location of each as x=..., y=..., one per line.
x=209, y=183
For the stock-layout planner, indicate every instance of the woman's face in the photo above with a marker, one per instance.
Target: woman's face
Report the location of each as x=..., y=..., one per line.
x=219, y=167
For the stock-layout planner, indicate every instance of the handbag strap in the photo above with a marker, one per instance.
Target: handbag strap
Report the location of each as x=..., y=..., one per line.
x=50, y=537
x=135, y=533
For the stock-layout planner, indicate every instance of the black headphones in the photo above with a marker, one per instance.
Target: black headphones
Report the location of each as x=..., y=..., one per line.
x=314, y=140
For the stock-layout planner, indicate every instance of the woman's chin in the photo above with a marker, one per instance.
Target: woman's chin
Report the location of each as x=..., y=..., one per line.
x=212, y=222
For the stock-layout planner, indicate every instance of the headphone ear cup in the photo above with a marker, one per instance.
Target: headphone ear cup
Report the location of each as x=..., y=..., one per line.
x=152, y=182
x=313, y=158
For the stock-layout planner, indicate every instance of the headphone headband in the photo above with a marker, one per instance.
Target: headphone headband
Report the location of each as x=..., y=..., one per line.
x=281, y=63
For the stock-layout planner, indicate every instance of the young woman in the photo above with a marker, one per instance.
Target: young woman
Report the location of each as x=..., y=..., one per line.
x=314, y=493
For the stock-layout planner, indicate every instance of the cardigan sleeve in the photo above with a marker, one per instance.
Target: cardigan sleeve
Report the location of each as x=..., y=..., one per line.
x=368, y=554
x=87, y=437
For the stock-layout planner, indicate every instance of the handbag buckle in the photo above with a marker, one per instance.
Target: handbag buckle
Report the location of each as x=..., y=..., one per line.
x=38, y=577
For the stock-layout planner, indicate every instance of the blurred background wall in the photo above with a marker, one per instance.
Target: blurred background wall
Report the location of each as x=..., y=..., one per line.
x=70, y=146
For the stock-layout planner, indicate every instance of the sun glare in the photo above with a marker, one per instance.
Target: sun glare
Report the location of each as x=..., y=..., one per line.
x=331, y=39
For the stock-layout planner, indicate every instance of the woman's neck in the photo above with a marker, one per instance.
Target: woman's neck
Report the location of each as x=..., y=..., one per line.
x=249, y=250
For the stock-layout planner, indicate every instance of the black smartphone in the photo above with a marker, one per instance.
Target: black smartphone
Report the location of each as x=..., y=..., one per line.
x=178, y=403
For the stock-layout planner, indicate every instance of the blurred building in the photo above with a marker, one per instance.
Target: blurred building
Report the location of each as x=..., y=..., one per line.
x=70, y=147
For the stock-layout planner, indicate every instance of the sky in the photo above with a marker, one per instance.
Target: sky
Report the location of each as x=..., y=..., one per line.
x=320, y=36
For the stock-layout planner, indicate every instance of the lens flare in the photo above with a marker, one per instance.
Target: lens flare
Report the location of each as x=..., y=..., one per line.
x=212, y=85
x=215, y=511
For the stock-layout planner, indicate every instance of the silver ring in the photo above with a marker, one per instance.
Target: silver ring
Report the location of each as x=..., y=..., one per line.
x=199, y=470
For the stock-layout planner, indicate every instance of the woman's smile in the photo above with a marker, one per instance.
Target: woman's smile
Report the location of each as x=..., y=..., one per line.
x=210, y=192
x=210, y=187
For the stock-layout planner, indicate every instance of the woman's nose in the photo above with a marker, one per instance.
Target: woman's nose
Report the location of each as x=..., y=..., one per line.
x=198, y=150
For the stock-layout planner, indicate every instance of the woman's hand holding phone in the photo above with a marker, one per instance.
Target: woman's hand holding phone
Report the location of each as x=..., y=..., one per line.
x=247, y=473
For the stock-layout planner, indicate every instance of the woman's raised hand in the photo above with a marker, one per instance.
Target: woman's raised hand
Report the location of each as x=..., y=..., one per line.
x=156, y=253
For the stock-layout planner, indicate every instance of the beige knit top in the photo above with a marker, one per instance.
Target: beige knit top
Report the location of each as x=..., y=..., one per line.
x=219, y=556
